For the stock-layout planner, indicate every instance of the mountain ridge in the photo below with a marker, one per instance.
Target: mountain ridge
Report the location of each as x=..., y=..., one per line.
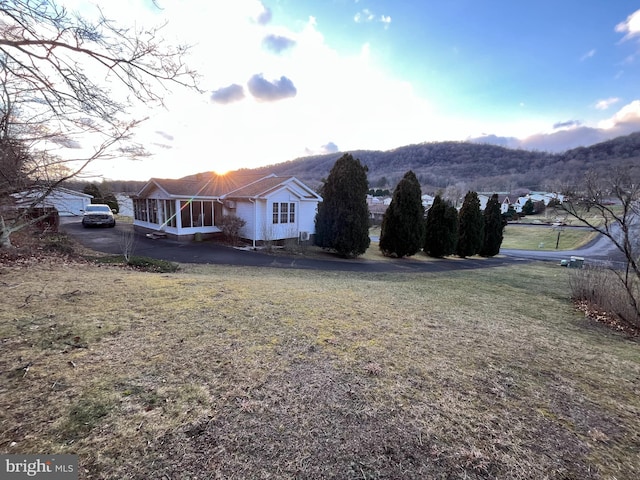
x=479, y=166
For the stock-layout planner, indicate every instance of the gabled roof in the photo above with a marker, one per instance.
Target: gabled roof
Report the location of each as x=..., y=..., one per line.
x=231, y=185
x=37, y=190
x=268, y=185
x=207, y=184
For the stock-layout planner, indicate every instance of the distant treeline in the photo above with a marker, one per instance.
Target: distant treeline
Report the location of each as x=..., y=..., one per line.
x=109, y=186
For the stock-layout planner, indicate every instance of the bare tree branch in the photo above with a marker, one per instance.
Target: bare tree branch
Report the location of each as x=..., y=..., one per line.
x=66, y=85
x=610, y=206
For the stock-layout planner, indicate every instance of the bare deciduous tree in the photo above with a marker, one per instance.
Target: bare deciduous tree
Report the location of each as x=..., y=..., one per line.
x=67, y=85
x=611, y=206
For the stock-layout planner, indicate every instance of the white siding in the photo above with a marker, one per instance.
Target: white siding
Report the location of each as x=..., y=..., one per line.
x=308, y=216
x=245, y=210
x=157, y=194
x=69, y=206
x=259, y=216
x=279, y=231
x=67, y=202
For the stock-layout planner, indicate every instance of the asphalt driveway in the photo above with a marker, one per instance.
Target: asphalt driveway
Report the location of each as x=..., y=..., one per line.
x=109, y=240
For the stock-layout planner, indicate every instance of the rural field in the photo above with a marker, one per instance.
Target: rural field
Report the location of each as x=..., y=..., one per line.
x=225, y=372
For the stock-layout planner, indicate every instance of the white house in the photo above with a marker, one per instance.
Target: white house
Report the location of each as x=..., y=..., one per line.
x=427, y=201
x=274, y=208
x=68, y=202
x=125, y=204
x=544, y=197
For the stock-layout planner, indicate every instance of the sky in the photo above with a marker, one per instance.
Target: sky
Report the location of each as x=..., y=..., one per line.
x=283, y=79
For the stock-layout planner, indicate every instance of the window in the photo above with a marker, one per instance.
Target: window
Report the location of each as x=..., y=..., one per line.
x=284, y=212
x=185, y=214
x=137, y=209
x=196, y=213
x=197, y=217
x=169, y=213
x=207, y=208
x=153, y=210
x=140, y=212
x=217, y=213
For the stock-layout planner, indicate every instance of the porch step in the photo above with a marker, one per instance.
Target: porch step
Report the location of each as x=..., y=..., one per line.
x=156, y=235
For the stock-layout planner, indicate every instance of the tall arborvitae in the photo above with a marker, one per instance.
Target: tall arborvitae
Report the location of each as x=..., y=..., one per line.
x=403, y=223
x=342, y=221
x=471, y=226
x=493, y=228
x=442, y=229
x=451, y=225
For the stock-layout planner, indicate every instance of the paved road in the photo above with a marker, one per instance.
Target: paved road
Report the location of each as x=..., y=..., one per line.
x=601, y=250
x=109, y=240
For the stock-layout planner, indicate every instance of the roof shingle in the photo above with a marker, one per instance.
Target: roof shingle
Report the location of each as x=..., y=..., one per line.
x=207, y=184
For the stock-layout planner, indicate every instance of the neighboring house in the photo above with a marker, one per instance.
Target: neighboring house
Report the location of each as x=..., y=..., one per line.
x=68, y=202
x=371, y=200
x=544, y=197
x=274, y=208
x=484, y=199
x=427, y=201
x=125, y=204
x=505, y=203
x=376, y=213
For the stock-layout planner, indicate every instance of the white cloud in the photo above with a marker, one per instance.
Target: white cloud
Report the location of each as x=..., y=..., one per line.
x=364, y=16
x=346, y=99
x=567, y=124
x=606, y=103
x=572, y=134
x=630, y=27
x=627, y=116
x=588, y=55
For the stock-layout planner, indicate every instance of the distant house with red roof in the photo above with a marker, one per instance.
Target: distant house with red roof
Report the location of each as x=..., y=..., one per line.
x=273, y=207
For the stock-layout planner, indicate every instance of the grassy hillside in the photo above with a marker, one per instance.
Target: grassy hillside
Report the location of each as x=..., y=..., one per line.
x=222, y=372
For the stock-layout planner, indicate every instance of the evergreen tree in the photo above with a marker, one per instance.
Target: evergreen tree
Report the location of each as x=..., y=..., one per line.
x=102, y=195
x=528, y=208
x=403, y=223
x=451, y=225
x=342, y=221
x=471, y=226
x=493, y=228
x=94, y=190
x=441, y=230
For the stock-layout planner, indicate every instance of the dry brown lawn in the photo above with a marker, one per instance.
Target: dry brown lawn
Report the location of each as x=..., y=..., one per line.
x=221, y=372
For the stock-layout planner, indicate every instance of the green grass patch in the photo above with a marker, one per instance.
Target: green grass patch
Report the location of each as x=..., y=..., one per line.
x=84, y=415
x=526, y=237
x=146, y=264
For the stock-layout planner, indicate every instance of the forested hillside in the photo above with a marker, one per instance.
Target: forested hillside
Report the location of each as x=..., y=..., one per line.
x=478, y=166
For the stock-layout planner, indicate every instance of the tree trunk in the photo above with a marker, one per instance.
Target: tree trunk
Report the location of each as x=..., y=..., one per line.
x=5, y=234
